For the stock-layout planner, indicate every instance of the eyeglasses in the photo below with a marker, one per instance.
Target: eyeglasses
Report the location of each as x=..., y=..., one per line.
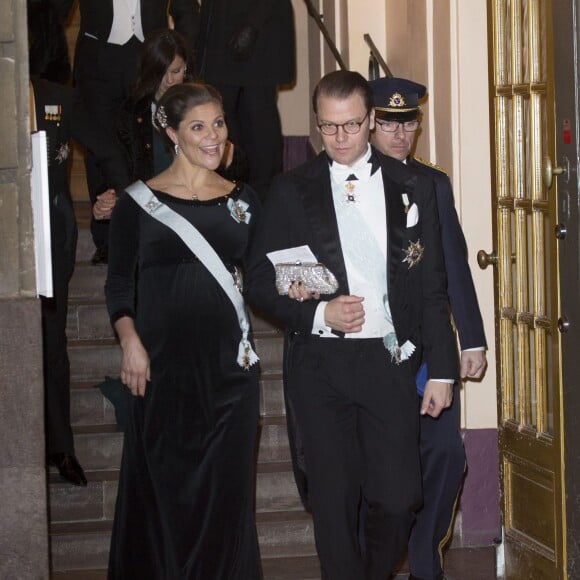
x=392, y=126
x=350, y=127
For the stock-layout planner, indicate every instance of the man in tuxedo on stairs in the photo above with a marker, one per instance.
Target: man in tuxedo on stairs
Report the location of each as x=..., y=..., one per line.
x=352, y=355
x=111, y=34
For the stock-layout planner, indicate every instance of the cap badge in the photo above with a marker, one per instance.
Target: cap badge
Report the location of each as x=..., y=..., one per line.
x=397, y=100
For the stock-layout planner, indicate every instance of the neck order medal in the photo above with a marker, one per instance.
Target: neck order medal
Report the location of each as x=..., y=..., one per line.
x=349, y=188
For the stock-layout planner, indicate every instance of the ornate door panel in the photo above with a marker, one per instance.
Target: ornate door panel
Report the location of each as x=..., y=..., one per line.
x=526, y=276
x=566, y=20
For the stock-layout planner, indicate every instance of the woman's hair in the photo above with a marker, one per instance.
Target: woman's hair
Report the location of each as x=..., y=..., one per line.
x=159, y=50
x=177, y=100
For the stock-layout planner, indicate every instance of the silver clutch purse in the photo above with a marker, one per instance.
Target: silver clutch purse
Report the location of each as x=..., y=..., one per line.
x=315, y=277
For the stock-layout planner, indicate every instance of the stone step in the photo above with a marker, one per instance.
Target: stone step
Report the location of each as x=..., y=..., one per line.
x=85, y=246
x=85, y=545
x=88, y=319
x=292, y=568
x=87, y=282
x=92, y=360
x=275, y=492
x=99, y=447
x=473, y=563
x=90, y=407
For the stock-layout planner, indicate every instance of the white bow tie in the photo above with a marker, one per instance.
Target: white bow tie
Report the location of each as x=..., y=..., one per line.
x=341, y=173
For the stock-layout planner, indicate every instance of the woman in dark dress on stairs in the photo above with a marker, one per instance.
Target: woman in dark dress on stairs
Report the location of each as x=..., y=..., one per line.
x=185, y=506
x=163, y=62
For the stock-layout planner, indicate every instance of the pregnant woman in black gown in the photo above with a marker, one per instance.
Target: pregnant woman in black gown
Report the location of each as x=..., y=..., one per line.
x=186, y=492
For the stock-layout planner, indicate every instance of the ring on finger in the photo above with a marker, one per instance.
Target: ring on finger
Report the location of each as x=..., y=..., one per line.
x=300, y=299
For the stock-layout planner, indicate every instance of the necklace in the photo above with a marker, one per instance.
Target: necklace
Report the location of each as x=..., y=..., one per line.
x=192, y=196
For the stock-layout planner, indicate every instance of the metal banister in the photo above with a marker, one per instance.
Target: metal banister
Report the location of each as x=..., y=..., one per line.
x=376, y=55
x=314, y=14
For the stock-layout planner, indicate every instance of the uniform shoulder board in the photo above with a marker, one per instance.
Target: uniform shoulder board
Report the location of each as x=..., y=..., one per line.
x=429, y=164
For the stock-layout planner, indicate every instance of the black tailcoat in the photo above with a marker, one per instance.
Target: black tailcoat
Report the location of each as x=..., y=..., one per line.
x=300, y=211
x=97, y=16
x=272, y=61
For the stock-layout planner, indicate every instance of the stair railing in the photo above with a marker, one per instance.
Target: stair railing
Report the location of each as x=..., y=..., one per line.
x=375, y=59
x=322, y=27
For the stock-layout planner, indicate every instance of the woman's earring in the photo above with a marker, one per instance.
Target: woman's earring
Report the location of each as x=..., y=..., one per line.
x=176, y=148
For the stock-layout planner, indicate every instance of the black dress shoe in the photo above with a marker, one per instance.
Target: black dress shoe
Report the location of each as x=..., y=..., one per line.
x=101, y=255
x=68, y=467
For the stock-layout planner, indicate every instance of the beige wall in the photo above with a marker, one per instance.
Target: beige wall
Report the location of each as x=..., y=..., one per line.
x=294, y=101
x=443, y=44
x=472, y=179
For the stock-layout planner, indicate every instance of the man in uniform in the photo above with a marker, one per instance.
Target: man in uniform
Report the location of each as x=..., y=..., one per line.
x=352, y=355
x=443, y=462
x=56, y=109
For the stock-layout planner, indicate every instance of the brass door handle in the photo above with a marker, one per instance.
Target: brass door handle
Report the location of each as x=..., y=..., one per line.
x=484, y=259
x=548, y=171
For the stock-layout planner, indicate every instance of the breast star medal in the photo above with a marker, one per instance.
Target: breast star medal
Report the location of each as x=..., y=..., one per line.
x=239, y=210
x=350, y=195
x=413, y=253
x=240, y=213
x=62, y=153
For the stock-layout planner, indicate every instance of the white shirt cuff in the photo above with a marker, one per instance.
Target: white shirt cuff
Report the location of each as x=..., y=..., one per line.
x=448, y=381
x=319, y=327
x=473, y=349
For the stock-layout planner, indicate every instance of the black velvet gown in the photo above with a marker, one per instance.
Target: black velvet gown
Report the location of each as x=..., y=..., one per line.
x=185, y=505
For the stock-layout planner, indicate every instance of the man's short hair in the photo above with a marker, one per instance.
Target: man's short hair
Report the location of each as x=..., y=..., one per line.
x=341, y=84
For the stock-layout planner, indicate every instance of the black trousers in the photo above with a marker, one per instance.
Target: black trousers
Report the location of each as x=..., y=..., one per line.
x=357, y=417
x=254, y=125
x=59, y=437
x=104, y=75
x=443, y=465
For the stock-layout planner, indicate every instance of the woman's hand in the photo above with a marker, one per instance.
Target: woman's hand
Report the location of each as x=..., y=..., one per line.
x=135, y=370
x=135, y=366
x=297, y=291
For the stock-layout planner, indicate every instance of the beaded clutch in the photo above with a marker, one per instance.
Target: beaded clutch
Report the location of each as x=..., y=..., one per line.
x=315, y=277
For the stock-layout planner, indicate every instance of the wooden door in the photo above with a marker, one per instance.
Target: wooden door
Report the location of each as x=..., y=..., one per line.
x=527, y=288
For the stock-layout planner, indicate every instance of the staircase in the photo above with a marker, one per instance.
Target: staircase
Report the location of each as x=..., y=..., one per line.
x=81, y=518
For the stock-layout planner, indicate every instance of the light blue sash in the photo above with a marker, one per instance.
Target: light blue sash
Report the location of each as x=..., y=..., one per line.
x=206, y=255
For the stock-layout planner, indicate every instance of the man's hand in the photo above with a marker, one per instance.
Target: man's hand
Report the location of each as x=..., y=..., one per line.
x=242, y=43
x=437, y=396
x=345, y=314
x=473, y=363
x=104, y=205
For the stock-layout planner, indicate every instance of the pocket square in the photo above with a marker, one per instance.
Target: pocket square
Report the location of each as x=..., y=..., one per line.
x=412, y=216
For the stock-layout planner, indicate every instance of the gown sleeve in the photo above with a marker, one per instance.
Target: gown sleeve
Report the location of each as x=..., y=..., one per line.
x=123, y=256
